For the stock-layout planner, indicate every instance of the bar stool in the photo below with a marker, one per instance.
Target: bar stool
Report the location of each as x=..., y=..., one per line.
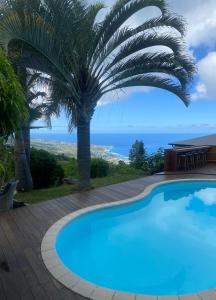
x=183, y=162
x=197, y=159
x=202, y=157
x=191, y=160
x=205, y=151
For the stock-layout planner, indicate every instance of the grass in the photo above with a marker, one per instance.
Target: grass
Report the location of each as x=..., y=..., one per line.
x=37, y=196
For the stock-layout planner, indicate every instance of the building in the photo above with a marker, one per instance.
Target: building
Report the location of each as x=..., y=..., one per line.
x=190, y=154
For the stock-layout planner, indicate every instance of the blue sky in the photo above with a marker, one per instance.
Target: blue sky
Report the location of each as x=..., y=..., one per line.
x=155, y=110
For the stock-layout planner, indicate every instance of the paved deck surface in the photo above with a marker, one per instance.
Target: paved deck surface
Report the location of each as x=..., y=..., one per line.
x=22, y=230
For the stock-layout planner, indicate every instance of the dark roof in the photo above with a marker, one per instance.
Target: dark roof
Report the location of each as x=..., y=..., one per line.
x=208, y=140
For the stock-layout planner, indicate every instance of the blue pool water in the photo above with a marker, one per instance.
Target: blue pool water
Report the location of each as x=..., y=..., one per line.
x=164, y=244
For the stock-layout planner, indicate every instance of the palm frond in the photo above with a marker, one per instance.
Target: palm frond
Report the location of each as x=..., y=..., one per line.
x=147, y=63
x=36, y=31
x=153, y=81
x=119, y=14
x=143, y=42
x=32, y=79
x=33, y=96
x=79, y=59
x=173, y=21
x=176, y=72
x=125, y=33
x=35, y=114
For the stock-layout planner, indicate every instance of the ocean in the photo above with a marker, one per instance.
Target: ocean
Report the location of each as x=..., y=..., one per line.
x=120, y=143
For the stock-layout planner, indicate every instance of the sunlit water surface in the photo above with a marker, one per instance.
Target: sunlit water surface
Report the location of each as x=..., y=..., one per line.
x=164, y=244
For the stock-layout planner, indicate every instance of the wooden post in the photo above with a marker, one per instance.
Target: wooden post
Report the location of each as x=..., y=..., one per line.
x=170, y=164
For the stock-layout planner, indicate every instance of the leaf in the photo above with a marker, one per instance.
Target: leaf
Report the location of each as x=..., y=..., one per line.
x=153, y=81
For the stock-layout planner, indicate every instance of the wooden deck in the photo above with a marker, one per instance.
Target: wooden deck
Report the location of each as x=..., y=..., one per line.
x=208, y=169
x=22, y=230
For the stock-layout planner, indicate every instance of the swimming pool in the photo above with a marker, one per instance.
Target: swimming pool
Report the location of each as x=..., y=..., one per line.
x=160, y=243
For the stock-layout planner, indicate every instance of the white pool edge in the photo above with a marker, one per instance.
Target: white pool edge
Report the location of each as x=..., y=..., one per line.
x=87, y=289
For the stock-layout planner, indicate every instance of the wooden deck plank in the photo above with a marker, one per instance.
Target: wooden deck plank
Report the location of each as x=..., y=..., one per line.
x=2, y=291
x=14, y=282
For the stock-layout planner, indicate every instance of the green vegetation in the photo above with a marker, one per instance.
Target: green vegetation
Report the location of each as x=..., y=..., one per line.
x=137, y=155
x=36, y=196
x=6, y=163
x=155, y=162
x=50, y=169
x=140, y=160
x=99, y=168
x=69, y=166
x=12, y=100
x=46, y=171
x=84, y=59
x=36, y=110
x=117, y=173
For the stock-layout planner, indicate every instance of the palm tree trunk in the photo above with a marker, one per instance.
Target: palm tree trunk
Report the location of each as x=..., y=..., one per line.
x=22, y=169
x=26, y=140
x=83, y=153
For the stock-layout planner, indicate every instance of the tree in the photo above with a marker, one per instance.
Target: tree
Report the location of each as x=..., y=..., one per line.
x=36, y=109
x=155, y=162
x=86, y=59
x=22, y=137
x=137, y=155
x=12, y=111
x=12, y=99
x=22, y=168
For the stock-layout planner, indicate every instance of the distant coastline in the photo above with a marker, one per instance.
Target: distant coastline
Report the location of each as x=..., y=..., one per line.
x=110, y=149
x=111, y=146
x=70, y=149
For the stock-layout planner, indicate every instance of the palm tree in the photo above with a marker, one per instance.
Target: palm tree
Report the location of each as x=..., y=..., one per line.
x=87, y=59
x=36, y=111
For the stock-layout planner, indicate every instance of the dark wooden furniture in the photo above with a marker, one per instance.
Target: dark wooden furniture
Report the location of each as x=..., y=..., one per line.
x=185, y=158
x=6, y=196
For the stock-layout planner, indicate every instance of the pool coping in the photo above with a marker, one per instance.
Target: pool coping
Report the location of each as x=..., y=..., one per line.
x=87, y=289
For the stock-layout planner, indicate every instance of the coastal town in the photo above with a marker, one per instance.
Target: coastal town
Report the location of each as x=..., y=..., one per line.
x=70, y=150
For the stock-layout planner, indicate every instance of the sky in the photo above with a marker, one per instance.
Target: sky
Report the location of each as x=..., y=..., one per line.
x=144, y=110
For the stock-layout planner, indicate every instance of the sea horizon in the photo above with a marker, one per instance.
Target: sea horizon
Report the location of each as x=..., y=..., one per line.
x=120, y=144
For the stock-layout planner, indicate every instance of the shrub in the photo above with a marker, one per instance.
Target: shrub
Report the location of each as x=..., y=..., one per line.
x=69, y=166
x=121, y=168
x=155, y=162
x=99, y=167
x=46, y=171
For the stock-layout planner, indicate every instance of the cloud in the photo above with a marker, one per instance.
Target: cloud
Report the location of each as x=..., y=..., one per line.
x=206, y=87
x=207, y=196
x=199, y=14
x=120, y=95
x=201, y=19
